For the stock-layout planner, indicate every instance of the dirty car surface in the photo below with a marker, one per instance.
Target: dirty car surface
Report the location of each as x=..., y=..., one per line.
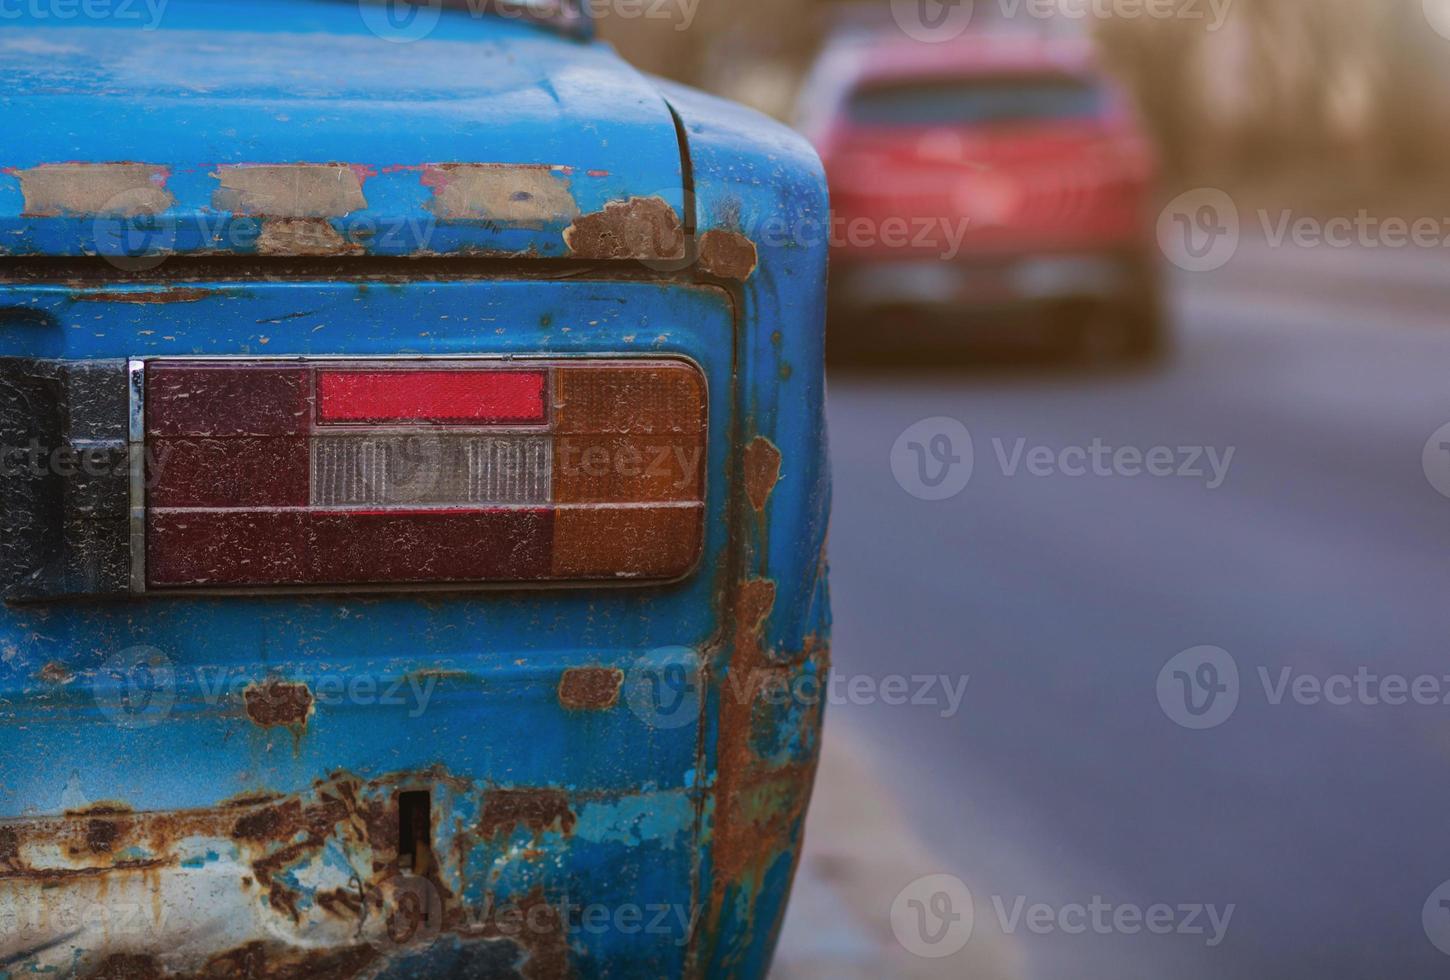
x=575, y=738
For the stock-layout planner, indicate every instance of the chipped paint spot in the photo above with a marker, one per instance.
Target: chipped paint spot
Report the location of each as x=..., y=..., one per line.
x=279, y=704
x=728, y=254
x=297, y=190
x=303, y=236
x=657, y=817
x=530, y=195
x=590, y=688
x=640, y=228
x=94, y=189
x=147, y=296
x=56, y=673
x=762, y=471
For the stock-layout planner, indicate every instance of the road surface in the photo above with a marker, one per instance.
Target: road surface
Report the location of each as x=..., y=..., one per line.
x=1310, y=833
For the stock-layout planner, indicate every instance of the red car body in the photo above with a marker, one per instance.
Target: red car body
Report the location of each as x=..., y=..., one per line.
x=986, y=175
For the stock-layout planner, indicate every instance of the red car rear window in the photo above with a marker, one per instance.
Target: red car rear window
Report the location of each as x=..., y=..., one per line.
x=977, y=101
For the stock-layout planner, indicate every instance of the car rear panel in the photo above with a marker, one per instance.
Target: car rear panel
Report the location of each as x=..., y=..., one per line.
x=251, y=785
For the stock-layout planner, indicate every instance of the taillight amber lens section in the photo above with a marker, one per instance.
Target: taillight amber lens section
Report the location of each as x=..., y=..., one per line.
x=335, y=473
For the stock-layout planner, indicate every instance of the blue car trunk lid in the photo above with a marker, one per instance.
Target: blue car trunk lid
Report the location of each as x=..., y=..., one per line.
x=304, y=127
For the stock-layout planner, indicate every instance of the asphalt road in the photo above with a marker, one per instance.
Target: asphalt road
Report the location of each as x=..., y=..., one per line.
x=1063, y=777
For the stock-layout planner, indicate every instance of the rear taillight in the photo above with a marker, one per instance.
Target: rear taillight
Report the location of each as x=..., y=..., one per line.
x=372, y=473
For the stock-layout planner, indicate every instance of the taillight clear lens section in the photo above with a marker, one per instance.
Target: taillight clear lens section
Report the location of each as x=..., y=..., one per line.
x=405, y=472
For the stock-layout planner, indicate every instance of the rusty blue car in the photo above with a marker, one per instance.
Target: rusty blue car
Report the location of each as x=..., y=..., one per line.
x=414, y=498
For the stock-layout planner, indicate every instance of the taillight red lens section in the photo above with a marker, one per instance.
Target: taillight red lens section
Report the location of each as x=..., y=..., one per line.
x=405, y=472
x=444, y=397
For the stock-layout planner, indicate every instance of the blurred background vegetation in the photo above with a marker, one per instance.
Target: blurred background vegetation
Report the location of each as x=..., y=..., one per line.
x=1315, y=103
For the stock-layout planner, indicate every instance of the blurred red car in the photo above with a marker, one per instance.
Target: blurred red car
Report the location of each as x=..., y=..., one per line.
x=985, y=182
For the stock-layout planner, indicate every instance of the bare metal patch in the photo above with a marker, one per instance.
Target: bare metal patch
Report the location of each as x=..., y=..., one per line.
x=176, y=294
x=277, y=704
x=293, y=190
x=590, y=688
x=728, y=254
x=111, y=189
x=507, y=193
x=302, y=236
x=762, y=471
x=639, y=228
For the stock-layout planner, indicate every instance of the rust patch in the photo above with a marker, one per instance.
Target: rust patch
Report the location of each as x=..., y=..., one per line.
x=102, y=809
x=300, y=830
x=55, y=673
x=101, y=836
x=279, y=704
x=9, y=849
x=340, y=902
x=505, y=810
x=179, y=294
x=94, y=189
x=530, y=195
x=762, y=471
x=258, y=961
x=295, y=190
x=129, y=966
x=536, y=926
x=303, y=236
x=640, y=228
x=758, y=806
x=249, y=800
x=544, y=938
x=590, y=688
x=274, y=838
x=728, y=254
x=63, y=874
x=271, y=823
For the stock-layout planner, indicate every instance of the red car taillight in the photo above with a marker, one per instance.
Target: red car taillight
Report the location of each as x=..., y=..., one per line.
x=337, y=473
